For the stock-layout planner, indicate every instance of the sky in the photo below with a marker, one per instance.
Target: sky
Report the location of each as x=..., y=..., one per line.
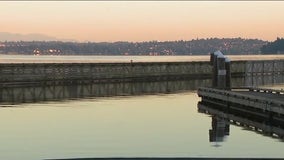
x=110, y=21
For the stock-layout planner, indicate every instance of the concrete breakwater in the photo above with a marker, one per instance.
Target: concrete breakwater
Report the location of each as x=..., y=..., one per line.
x=22, y=73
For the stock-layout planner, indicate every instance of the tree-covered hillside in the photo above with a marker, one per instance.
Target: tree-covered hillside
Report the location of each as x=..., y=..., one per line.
x=276, y=47
x=193, y=47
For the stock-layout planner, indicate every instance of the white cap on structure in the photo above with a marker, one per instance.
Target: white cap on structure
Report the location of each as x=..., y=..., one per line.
x=220, y=56
x=218, y=53
x=227, y=59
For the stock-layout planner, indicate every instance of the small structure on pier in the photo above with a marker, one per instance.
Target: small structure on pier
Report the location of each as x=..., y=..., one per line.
x=221, y=70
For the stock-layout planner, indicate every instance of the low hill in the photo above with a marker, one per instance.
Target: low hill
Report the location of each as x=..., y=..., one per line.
x=193, y=47
x=274, y=47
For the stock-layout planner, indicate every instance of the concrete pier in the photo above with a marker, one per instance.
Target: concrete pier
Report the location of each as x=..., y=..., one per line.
x=136, y=71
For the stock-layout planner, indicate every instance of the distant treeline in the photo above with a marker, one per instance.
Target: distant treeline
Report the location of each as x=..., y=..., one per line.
x=274, y=47
x=193, y=47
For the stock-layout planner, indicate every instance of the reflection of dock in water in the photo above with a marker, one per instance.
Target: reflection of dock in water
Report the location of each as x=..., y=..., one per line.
x=220, y=129
x=16, y=94
x=249, y=121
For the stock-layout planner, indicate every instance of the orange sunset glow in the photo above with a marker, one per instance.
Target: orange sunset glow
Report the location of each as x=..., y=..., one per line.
x=144, y=21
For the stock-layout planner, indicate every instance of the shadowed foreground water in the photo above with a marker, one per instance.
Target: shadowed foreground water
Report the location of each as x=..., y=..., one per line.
x=163, y=125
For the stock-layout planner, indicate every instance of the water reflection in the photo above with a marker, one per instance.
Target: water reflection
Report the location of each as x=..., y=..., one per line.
x=11, y=94
x=222, y=117
x=220, y=129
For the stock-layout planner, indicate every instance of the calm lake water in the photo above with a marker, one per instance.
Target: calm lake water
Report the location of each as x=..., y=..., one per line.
x=161, y=125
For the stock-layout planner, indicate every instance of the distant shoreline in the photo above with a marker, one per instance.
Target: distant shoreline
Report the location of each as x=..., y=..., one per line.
x=4, y=59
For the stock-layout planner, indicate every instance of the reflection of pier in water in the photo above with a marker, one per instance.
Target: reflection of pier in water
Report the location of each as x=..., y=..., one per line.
x=35, y=92
x=222, y=117
x=13, y=94
x=220, y=129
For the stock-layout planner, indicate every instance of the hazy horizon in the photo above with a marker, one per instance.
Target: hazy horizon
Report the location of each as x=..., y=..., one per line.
x=10, y=37
x=137, y=21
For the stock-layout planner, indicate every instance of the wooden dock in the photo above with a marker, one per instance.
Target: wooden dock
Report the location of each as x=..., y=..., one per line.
x=248, y=99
